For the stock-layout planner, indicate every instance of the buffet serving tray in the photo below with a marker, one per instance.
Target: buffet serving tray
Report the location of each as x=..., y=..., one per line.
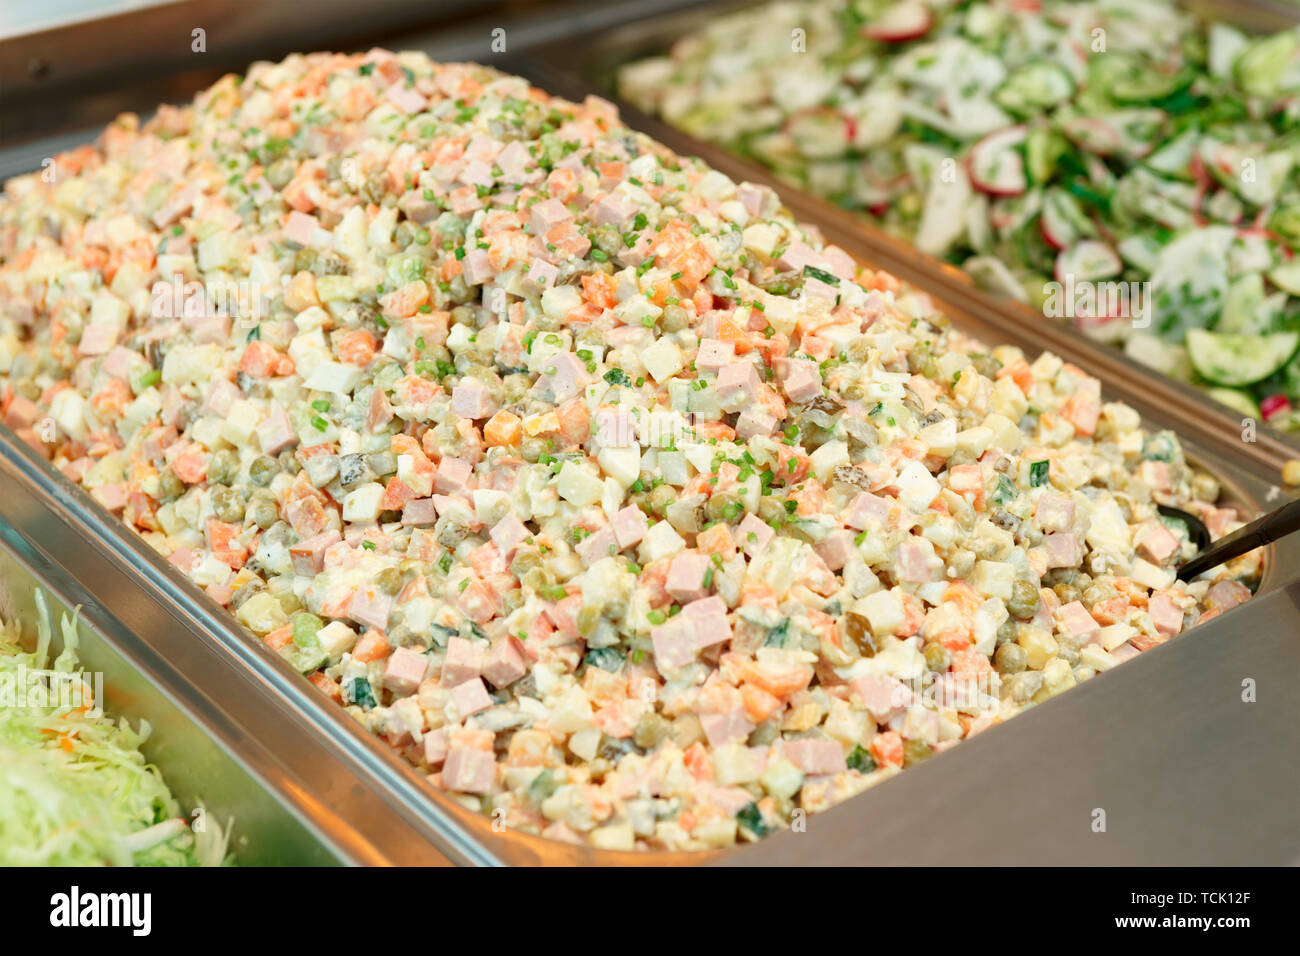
x=184, y=742
x=1186, y=772
x=588, y=64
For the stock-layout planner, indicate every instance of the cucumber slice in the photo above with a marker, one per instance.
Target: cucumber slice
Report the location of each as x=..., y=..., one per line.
x=1034, y=88
x=991, y=273
x=1236, y=400
x=1238, y=360
x=1044, y=148
x=1145, y=85
x=820, y=133
x=1088, y=261
x=1286, y=277
x=1242, y=304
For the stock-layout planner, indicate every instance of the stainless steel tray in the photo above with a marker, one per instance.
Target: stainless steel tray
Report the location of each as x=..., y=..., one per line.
x=184, y=743
x=1185, y=772
x=584, y=64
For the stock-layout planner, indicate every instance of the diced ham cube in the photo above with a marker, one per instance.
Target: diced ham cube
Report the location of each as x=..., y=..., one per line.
x=308, y=556
x=883, y=697
x=737, y=385
x=508, y=533
x=800, y=379
x=1054, y=512
x=119, y=362
x=22, y=413
x=630, y=525
x=565, y=375
x=836, y=549
x=1062, y=548
x=1166, y=615
x=544, y=216
x=596, y=546
x=752, y=423
x=714, y=355
x=111, y=496
x=407, y=99
x=221, y=395
x=504, y=663
x=541, y=275
x=797, y=255
x=708, y=620
x=404, y=671
x=1217, y=520
x=453, y=476
x=674, y=644
x=615, y=210
x=435, y=747
x=757, y=199
x=469, y=770
x=97, y=338
x=470, y=399
x=301, y=227
x=914, y=560
x=275, y=432
x=1226, y=595
x=816, y=756
x=463, y=661
x=419, y=512
x=686, y=576
x=371, y=607
x=477, y=267
x=866, y=508
x=470, y=697
x=1157, y=543
x=724, y=728
x=1074, y=617
x=753, y=535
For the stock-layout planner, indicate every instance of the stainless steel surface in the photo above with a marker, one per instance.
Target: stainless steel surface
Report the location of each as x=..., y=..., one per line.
x=269, y=724
x=197, y=767
x=1131, y=736
x=588, y=63
x=1186, y=771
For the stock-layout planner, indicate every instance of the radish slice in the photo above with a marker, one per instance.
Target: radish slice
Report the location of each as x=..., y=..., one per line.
x=1057, y=229
x=996, y=165
x=900, y=22
x=1092, y=134
x=1088, y=261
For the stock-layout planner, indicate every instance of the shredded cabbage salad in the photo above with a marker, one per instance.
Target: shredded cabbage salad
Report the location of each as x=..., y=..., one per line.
x=75, y=790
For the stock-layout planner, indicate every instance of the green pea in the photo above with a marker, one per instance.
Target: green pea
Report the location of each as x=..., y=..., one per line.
x=263, y=470
x=1010, y=659
x=937, y=657
x=223, y=467
x=263, y=512
x=1024, y=600
x=389, y=580
x=169, y=486
x=228, y=504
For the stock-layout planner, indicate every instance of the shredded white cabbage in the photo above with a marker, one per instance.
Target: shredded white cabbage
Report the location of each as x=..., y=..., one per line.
x=75, y=790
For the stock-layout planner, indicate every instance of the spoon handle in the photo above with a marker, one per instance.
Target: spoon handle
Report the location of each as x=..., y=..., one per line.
x=1259, y=532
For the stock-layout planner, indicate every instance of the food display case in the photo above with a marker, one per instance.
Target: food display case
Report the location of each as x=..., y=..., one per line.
x=1163, y=743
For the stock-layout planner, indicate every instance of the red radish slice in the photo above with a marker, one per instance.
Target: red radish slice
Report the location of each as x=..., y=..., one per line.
x=1057, y=229
x=900, y=22
x=1093, y=134
x=996, y=165
x=1088, y=261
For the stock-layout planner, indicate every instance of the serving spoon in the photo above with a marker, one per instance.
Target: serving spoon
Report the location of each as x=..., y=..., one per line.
x=1261, y=531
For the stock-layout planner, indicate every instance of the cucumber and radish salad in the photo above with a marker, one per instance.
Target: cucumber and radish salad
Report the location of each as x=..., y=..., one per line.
x=1122, y=165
